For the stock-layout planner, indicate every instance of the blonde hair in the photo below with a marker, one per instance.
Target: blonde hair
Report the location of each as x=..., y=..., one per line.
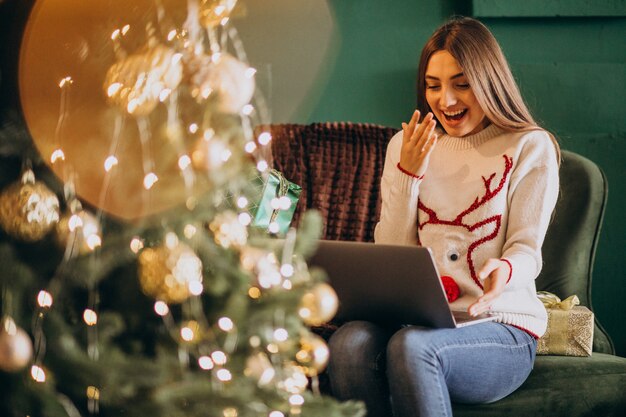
x=487, y=71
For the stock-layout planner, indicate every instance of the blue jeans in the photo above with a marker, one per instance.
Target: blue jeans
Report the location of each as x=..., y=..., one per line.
x=417, y=371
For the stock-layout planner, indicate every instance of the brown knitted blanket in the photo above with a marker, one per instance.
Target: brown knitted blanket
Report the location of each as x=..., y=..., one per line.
x=338, y=166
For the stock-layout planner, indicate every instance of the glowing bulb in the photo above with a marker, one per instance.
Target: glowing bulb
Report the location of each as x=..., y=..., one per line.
x=57, y=154
x=250, y=147
x=275, y=203
x=187, y=334
x=265, y=138
x=93, y=393
x=230, y=412
x=94, y=241
x=287, y=270
x=218, y=357
x=190, y=231
x=66, y=80
x=262, y=166
x=242, y=202
x=184, y=162
x=247, y=109
x=113, y=89
x=273, y=227
x=109, y=163
x=254, y=293
x=225, y=324
x=164, y=94
x=149, y=180
x=196, y=287
x=125, y=29
x=276, y=414
x=171, y=35
x=205, y=363
x=161, y=308
x=224, y=21
x=225, y=155
x=284, y=203
x=281, y=335
x=136, y=245
x=296, y=399
x=287, y=284
x=115, y=34
x=90, y=317
x=193, y=128
x=245, y=219
x=224, y=375
x=44, y=299
x=38, y=373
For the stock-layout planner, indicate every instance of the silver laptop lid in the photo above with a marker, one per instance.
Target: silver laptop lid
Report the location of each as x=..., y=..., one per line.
x=387, y=284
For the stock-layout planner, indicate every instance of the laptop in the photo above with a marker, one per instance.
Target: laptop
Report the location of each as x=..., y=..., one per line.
x=388, y=284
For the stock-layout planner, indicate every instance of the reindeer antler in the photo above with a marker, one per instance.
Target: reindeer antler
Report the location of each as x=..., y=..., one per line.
x=458, y=221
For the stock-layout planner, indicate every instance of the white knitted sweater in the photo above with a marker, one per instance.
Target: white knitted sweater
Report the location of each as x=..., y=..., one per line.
x=488, y=195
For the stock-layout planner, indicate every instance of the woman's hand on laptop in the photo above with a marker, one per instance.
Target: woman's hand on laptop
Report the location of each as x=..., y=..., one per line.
x=494, y=274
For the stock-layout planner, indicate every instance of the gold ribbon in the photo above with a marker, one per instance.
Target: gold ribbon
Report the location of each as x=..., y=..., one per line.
x=550, y=300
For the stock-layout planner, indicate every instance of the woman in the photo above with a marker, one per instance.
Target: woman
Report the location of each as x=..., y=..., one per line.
x=477, y=181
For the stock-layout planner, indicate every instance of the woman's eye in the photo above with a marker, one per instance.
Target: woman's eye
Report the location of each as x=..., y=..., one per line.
x=432, y=87
x=463, y=86
x=453, y=255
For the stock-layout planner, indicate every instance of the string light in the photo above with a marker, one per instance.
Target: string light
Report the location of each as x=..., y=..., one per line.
x=250, y=147
x=219, y=357
x=247, y=109
x=230, y=412
x=273, y=227
x=225, y=324
x=242, y=202
x=44, y=299
x=56, y=155
x=254, y=293
x=287, y=270
x=136, y=245
x=296, y=399
x=161, y=308
x=110, y=162
x=224, y=375
x=281, y=335
x=190, y=231
x=93, y=393
x=276, y=414
x=184, y=161
x=65, y=81
x=149, y=180
x=262, y=166
x=205, y=363
x=245, y=219
x=90, y=317
x=265, y=138
x=193, y=128
x=196, y=287
x=38, y=373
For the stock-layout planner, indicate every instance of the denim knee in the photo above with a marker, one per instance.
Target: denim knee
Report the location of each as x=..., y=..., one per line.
x=357, y=343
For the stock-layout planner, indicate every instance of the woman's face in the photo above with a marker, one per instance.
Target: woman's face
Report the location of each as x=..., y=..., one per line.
x=451, y=98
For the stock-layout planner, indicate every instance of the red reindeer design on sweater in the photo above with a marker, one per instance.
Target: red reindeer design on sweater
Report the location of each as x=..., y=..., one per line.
x=467, y=236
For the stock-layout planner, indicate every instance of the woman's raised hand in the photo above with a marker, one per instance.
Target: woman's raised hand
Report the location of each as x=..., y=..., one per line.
x=418, y=141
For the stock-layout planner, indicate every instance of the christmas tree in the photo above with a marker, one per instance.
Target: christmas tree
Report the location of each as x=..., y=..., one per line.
x=136, y=280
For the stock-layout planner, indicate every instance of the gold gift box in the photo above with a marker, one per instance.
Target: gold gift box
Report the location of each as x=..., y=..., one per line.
x=570, y=327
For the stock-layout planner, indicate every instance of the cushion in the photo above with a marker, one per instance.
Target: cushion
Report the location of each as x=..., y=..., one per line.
x=563, y=386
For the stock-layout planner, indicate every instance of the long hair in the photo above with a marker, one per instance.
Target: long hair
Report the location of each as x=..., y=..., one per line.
x=483, y=63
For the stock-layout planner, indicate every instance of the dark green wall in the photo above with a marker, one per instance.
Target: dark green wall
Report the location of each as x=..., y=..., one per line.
x=572, y=71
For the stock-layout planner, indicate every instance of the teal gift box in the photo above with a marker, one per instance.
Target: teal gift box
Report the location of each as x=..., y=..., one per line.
x=276, y=204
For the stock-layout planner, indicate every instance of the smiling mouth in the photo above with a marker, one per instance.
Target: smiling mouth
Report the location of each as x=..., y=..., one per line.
x=454, y=116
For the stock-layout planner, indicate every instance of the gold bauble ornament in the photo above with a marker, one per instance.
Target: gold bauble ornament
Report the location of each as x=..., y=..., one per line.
x=230, y=80
x=16, y=348
x=139, y=82
x=28, y=209
x=259, y=367
x=313, y=354
x=168, y=272
x=212, y=12
x=318, y=305
x=81, y=229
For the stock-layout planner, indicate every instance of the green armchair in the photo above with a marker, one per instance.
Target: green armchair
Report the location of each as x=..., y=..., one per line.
x=339, y=166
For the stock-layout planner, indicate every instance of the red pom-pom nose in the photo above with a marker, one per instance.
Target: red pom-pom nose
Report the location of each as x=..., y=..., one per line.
x=451, y=287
